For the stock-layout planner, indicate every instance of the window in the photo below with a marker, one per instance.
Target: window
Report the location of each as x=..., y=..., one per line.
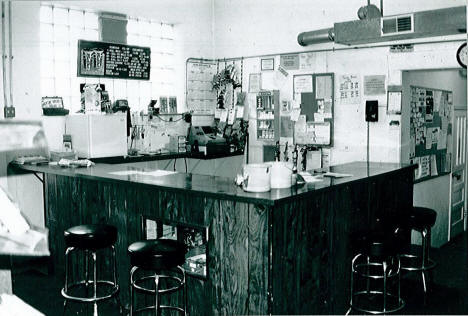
x=61, y=28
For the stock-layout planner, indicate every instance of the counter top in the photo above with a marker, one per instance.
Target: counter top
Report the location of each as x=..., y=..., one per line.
x=219, y=187
x=163, y=156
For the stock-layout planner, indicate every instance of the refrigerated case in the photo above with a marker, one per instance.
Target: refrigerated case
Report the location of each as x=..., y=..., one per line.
x=98, y=136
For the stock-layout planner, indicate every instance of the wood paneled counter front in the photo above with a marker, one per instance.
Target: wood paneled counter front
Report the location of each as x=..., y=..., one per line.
x=282, y=252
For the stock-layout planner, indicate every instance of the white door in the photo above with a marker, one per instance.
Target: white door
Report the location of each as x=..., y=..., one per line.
x=457, y=216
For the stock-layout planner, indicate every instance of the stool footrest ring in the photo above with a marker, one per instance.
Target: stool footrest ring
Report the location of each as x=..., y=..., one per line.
x=180, y=284
x=400, y=305
x=113, y=291
x=431, y=264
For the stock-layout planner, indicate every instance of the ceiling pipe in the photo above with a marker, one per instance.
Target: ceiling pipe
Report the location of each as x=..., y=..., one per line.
x=316, y=37
x=4, y=56
x=10, y=52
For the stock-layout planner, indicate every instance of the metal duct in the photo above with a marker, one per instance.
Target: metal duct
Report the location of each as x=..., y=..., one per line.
x=316, y=37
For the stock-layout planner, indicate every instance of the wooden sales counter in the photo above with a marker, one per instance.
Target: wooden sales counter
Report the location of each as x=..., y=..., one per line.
x=282, y=252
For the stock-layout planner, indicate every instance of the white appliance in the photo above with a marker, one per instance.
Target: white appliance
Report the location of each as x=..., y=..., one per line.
x=98, y=135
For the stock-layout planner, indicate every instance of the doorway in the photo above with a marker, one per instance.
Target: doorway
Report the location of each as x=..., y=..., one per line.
x=446, y=192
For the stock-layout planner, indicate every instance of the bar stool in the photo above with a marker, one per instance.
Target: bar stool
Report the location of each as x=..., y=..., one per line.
x=420, y=219
x=377, y=259
x=157, y=260
x=90, y=239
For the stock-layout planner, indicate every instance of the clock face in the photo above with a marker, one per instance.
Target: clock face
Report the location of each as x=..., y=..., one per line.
x=462, y=55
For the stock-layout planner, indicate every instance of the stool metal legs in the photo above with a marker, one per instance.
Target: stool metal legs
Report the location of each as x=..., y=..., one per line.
x=389, y=271
x=426, y=264
x=114, y=288
x=136, y=284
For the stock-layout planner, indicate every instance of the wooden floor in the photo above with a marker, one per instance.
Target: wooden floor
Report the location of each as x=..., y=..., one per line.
x=447, y=294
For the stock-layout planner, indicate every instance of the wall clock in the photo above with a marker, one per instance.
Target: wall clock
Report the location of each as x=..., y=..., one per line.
x=462, y=55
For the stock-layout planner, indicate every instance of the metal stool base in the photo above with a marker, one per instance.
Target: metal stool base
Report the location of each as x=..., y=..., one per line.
x=94, y=284
x=425, y=263
x=391, y=302
x=136, y=286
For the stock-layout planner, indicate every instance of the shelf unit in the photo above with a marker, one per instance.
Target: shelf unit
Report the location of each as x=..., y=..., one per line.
x=268, y=115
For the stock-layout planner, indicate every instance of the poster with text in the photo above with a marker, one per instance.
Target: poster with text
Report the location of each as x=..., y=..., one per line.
x=349, y=89
x=374, y=85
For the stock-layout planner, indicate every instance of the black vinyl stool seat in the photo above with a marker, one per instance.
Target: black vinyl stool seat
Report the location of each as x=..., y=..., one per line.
x=420, y=219
x=163, y=259
x=377, y=259
x=90, y=239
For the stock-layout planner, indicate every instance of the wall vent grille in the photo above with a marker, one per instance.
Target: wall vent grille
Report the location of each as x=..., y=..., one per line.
x=397, y=25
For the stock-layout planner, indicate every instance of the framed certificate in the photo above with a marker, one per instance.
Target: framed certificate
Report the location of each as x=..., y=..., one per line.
x=267, y=64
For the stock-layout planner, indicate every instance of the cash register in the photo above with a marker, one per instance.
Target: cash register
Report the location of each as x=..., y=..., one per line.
x=204, y=139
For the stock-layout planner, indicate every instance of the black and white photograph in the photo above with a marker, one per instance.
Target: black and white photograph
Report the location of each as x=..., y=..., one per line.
x=221, y=157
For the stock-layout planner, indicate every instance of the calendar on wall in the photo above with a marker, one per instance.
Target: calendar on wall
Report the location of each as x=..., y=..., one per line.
x=430, y=131
x=201, y=98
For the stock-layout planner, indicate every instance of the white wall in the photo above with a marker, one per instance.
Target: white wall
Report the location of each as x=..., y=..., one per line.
x=246, y=27
x=193, y=38
x=251, y=28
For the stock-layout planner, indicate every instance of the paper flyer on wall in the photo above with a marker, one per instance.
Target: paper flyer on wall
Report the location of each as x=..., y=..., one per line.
x=374, y=85
x=429, y=138
x=442, y=143
x=295, y=114
x=323, y=85
x=303, y=83
x=285, y=108
x=425, y=165
x=394, y=102
x=349, y=89
x=255, y=82
x=435, y=135
x=319, y=117
x=322, y=134
x=306, y=60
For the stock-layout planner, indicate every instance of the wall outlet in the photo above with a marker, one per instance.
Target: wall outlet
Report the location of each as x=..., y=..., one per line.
x=9, y=112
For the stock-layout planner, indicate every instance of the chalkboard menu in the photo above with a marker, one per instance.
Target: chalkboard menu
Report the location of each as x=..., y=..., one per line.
x=99, y=59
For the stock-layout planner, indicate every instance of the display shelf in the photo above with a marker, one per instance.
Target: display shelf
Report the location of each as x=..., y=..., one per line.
x=267, y=111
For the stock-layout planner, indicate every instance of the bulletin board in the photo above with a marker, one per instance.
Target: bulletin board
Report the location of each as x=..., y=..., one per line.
x=315, y=124
x=306, y=96
x=430, y=131
x=200, y=97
